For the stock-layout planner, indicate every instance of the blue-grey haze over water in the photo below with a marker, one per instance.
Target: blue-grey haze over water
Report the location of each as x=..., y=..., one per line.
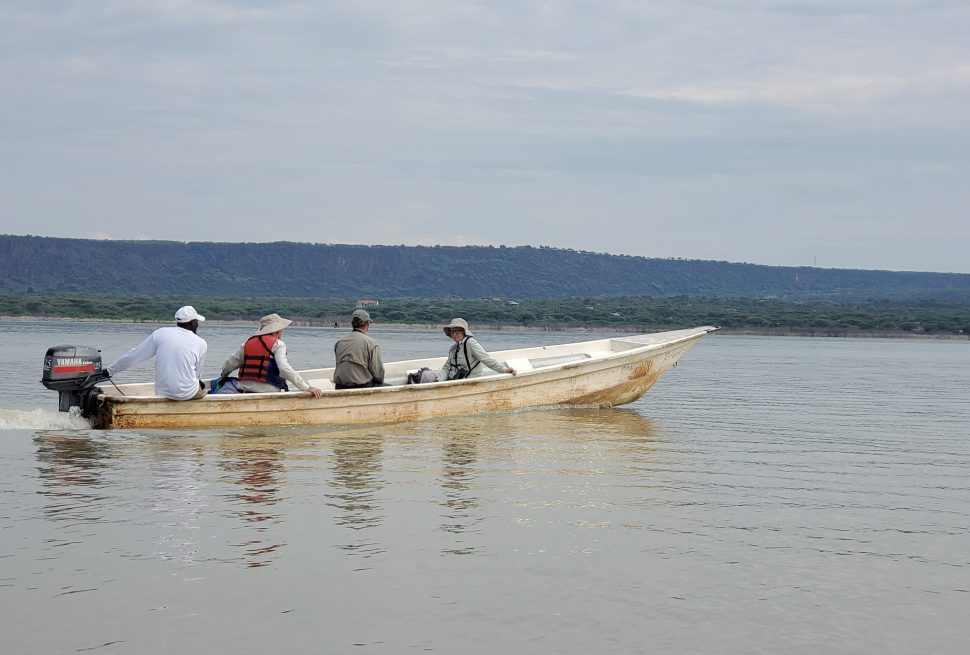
x=768, y=495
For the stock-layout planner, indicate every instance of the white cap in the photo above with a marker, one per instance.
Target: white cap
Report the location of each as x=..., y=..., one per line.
x=188, y=313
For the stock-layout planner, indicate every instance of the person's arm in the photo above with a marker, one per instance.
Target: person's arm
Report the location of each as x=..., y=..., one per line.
x=477, y=353
x=288, y=372
x=140, y=353
x=376, y=364
x=232, y=362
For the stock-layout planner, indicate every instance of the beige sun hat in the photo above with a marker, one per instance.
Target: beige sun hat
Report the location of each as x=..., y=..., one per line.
x=459, y=323
x=272, y=323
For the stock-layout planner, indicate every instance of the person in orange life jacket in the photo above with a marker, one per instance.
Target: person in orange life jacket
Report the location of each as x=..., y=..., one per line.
x=262, y=363
x=466, y=354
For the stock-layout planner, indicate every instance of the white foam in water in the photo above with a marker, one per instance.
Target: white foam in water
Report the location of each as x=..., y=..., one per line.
x=40, y=419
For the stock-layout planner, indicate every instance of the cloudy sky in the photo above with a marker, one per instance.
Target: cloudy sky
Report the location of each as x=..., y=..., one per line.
x=823, y=132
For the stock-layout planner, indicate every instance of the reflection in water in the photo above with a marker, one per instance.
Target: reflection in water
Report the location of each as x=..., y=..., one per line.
x=460, y=456
x=584, y=423
x=357, y=476
x=587, y=440
x=584, y=443
x=569, y=424
x=70, y=469
x=257, y=469
x=178, y=495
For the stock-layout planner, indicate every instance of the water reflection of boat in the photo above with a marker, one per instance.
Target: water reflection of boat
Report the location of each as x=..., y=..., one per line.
x=257, y=467
x=584, y=422
x=71, y=471
x=358, y=476
x=603, y=372
x=562, y=423
x=461, y=505
x=624, y=428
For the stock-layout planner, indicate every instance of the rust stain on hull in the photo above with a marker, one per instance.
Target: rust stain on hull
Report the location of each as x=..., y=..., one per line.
x=620, y=394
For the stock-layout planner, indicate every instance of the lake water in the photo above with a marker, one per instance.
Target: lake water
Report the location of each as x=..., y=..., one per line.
x=769, y=495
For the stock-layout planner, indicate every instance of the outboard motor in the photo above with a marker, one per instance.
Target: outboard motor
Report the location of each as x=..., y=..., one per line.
x=72, y=371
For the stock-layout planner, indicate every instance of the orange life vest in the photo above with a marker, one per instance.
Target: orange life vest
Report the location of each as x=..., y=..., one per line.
x=258, y=363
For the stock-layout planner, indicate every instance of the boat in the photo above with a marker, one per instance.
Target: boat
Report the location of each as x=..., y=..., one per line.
x=602, y=372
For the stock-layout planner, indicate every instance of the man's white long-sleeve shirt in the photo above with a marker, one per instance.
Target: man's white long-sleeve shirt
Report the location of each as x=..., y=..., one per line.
x=179, y=356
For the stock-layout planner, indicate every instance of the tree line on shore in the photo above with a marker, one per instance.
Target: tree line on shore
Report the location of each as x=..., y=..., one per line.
x=635, y=312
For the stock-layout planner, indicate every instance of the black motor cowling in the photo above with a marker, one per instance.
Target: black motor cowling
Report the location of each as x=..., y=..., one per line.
x=73, y=372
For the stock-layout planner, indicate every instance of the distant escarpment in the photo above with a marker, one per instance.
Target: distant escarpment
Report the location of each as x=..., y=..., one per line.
x=302, y=270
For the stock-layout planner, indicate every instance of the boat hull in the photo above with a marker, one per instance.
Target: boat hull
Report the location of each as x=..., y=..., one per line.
x=616, y=373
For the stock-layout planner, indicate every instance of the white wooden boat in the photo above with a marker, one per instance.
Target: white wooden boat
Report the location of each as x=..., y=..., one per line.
x=603, y=372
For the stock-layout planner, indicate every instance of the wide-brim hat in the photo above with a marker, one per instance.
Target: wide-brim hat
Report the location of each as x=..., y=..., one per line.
x=272, y=323
x=459, y=323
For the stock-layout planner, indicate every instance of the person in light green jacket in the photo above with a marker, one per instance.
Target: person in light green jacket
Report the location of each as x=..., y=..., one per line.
x=467, y=355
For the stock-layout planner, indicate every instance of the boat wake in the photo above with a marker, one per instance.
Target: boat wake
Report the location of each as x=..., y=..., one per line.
x=39, y=419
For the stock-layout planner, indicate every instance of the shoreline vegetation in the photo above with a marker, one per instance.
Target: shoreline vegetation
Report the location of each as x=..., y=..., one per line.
x=737, y=316
x=618, y=329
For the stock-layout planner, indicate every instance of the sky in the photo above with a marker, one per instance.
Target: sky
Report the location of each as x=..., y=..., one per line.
x=830, y=133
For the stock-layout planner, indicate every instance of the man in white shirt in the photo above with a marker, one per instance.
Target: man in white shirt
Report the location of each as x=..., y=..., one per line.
x=179, y=355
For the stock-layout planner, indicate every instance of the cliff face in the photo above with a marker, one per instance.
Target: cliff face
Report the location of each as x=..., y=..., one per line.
x=283, y=269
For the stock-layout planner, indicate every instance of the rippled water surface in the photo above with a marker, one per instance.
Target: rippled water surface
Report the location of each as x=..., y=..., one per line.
x=769, y=495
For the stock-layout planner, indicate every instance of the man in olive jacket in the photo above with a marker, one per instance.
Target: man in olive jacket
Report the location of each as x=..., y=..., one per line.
x=359, y=363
